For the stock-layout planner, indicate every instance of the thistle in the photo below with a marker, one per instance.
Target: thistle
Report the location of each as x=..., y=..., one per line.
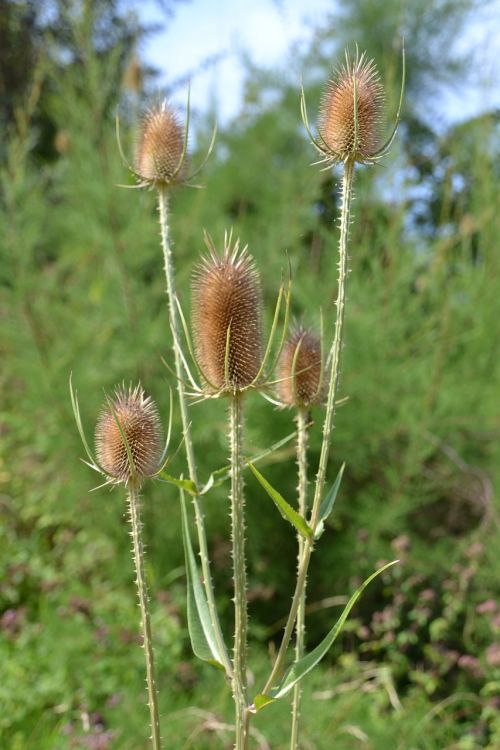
x=352, y=114
x=227, y=318
x=227, y=323
x=301, y=370
x=350, y=120
x=353, y=93
x=161, y=148
x=300, y=385
x=160, y=162
x=128, y=438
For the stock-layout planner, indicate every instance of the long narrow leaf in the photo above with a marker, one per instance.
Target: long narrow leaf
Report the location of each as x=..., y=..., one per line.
x=326, y=506
x=200, y=626
x=301, y=667
x=286, y=510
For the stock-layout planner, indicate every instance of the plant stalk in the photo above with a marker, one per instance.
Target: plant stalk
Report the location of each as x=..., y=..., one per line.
x=346, y=198
x=239, y=681
x=186, y=426
x=138, y=555
x=302, y=439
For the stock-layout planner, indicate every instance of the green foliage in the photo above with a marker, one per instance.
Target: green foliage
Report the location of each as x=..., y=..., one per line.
x=82, y=290
x=286, y=510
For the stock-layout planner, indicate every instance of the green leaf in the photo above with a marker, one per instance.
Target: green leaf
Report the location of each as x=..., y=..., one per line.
x=201, y=631
x=219, y=476
x=301, y=667
x=328, y=503
x=261, y=701
x=182, y=484
x=286, y=510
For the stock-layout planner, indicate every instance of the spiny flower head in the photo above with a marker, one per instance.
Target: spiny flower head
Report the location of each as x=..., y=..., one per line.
x=340, y=136
x=160, y=147
x=301, y=369
x=138, y=418
x=227, y=318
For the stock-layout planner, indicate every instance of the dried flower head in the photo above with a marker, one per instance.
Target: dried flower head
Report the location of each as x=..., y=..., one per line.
x=227, y=318
x=138, y=418
x=301, y=369
x=160, y=147
x=343, y=134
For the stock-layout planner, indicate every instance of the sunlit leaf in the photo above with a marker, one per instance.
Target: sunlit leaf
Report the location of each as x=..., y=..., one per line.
x=286, y=510
x=328, y=503
x=182, y=484
x=297, y=671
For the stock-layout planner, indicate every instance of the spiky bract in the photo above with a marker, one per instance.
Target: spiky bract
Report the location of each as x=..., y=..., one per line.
x=135, y=415
x=160, y=147
x=300, y=376
x=341, y=137
x=227, y=318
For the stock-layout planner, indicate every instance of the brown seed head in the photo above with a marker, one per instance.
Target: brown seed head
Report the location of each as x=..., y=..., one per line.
x=226, y=295
x=140, y=423
x=159, y=147
x=337, y=126
x=299, y=369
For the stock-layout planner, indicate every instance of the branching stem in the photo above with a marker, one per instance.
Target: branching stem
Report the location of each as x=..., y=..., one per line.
x=346, y=197
x=138, y=555
x=186, y=427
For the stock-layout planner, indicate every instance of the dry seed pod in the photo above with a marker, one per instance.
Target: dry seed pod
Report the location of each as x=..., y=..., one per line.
x=159, y=153
x=337, y=126
x=227, y=318
x=299, y=369
x=140, y=423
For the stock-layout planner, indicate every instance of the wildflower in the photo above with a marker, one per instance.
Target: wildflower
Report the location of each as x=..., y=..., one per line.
x=128, y=435
x=227, y=318
x=300, y=377
x=160, y=147
x=352, y=111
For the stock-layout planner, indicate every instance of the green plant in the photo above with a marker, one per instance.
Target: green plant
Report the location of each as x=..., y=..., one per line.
x=226, y=318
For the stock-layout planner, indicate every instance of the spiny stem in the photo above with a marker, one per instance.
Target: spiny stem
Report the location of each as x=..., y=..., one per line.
x=186, y=427
x=239, y=682
x=345, y=219
x=346, y=197
x=138, y=555
x=302, y=437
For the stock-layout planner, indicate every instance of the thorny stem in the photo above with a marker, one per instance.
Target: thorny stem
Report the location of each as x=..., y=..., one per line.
x=345, y=220
x=239, y=682
x=302, y=438
x=138, y=555
x=346, y=197
x=186, y=427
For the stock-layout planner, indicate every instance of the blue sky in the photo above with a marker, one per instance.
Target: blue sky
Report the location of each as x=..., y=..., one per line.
x=265, y=29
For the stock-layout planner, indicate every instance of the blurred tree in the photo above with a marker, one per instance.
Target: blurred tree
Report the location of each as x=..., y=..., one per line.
x=66, y=33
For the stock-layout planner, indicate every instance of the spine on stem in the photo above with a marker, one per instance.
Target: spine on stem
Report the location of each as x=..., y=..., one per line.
x=346, y=196
x=345, y=219
x=302, y=439
x=128, y=440
x=186, y=428
x=133, y=501
x=239, y=681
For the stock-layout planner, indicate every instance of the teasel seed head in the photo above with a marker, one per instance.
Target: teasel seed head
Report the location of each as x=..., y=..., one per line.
x=160, y=147
x=138, y=418
x=341, y=138
x=227, y=317
x=300, y=369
